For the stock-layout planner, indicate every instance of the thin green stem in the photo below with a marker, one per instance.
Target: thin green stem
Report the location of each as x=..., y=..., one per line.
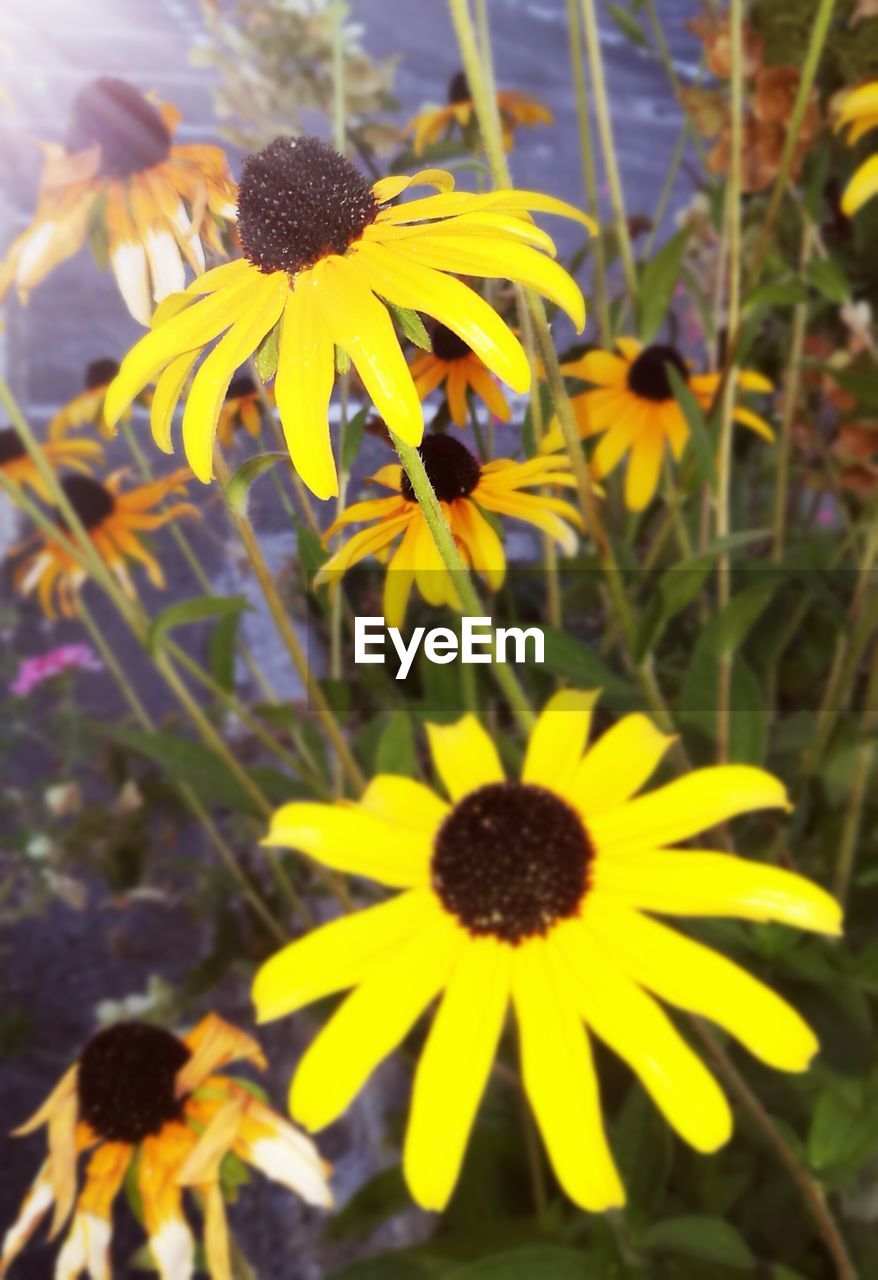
x=863, y=763
x=791, y=387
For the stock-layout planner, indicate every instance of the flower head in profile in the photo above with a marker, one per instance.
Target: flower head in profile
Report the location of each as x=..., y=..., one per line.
x=465, y=489
x=858, y=115
x=115, y=519
x=36, y=670
x=20, y=468
x=242, y=408
x=119, y=175
x=86, y=408
x=635, y=412
x=324, y=252
x=152, y=1107
x=541, y=893
x=515, y=109
x=453, y=364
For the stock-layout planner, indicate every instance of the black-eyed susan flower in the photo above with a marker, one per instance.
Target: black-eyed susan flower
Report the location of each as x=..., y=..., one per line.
x=19, y=467
x=537, y=892
x=242, y=407
x=114, y=520
x=323, y=252
x=634, y=410
x=516, y=109
x=453, y=364
x=120, y=177
x=87, y=407
x=465, y=490
x=858, y=114
x=150, y=1107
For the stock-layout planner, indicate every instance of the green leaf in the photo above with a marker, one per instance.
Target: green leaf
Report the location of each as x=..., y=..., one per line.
x=379, y=1199
x=576, y=661
x=699, y=431
x=844, y=1129
x=528, y=426
x=658, y=279
x=185, y=612
x=776, y=293
x=741, y=614
x=643, y=1147
x=266, y=356
x=828, y=279
x=862, y=385
x=412, y=325
x=389, y=1267
x=238, y=489
x=708, y=1239
x=192, y=764
x=353, y=438
x=310, y=551
x=543, y=1262
x=396, y=746
x=221, y=650
x=628, y=25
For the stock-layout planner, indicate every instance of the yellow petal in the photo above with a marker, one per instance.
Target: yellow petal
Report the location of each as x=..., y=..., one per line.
x=372, y=1022
x=464, y=755
x=559, y=1079
x=692, y=882
x=453, y=1070
x=702, y=981
x=337, y=955
x=861, y=188
x=644, y=467
x=349, y=838
x=748, y=418
x=398, y=799
x=481, y=542
x=618, y=765
x=386, y=189
x=636, y=1028
x=167, y=392
x=558, y=739
x=683, y=808
x=302, y=387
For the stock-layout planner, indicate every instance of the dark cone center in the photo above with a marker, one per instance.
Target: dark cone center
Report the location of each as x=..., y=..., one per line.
x=298, y=202
x=451, y=469
x=458, y=89
x=447, y=346
x=241, y=385
x=89, y=499
x=126, y=1079
x=648, y=374
x=128, y=129
x=11, y=447
x=510, y=860
x=99, y=373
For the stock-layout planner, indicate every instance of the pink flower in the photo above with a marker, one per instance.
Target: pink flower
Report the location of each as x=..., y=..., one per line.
x=67, y=657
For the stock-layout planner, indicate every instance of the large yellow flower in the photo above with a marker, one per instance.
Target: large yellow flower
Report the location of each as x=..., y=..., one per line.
x=859, y=115
x=120, y=177
x=634, y=409
x=465, y=490
x=323, y=252
x=516, y=109
x=148, y=1105
x=19, y=467
x=536, y=892
x=114, y=520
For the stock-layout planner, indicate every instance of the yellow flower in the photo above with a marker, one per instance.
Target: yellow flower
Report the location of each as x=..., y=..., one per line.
x=634, y=410
x=18, y=466
x=242, y=408
x=323, y=252
x=114, y=520
x=88, y=406
x=120, y=175
x=537, y=892
x=516, y=109
x=859, y=115
x=149, y=1106
x=465, y=490
x=455, y=365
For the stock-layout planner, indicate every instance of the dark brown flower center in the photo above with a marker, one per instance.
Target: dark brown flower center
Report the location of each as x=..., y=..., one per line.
x=115, y=116
x=125, y=1082
x=447, y=345
x=89, y=499
x=510, y=860
x=451, y=469
x=11, y=447
x=241, y=385
x=100, y=372
x=298, y=202
x=458, y=89
x=648, y=374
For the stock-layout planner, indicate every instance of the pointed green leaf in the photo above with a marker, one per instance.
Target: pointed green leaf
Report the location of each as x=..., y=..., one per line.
x=184, y=612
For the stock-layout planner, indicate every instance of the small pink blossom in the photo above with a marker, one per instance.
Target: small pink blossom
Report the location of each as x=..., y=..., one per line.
x=67, y=657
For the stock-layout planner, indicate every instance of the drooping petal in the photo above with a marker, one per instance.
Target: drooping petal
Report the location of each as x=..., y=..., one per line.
x=337, y=955
x=558, y=739
x=687, y=806
x=302, y=386
x=464, y=756
x=162, y=1156
x=618, y=765
x=283, y=1153
x=167, y=393
x=35, y=1206
x=213, y=1044
x=349, y=838
x=481, y=542
x=644, y=467
x=700, y=980
x=560, y=1080
x=372, y=1022
x=635, y=1027
x=453, y=1070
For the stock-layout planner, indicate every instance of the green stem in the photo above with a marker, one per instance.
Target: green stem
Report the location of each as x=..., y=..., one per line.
x=863, y=762
x=791, y=387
